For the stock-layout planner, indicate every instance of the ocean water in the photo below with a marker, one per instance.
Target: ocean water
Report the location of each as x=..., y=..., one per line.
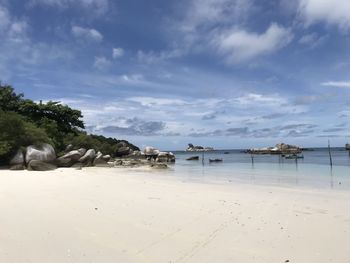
x=313, y=171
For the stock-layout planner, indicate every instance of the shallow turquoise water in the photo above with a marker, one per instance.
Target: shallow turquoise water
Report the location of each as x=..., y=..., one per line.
x=313, y=171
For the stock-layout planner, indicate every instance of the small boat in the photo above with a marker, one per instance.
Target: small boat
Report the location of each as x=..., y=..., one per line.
x=215, y=160
x=294, y=156
x=226, y=152
x=193, y=158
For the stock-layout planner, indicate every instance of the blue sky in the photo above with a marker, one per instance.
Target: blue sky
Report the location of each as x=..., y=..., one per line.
x=222, y=73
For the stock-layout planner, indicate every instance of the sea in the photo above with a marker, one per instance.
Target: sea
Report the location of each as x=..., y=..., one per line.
x=313, y=171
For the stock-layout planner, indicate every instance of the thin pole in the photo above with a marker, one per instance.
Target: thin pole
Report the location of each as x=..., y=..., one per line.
x=202, y=158
x=330, y=154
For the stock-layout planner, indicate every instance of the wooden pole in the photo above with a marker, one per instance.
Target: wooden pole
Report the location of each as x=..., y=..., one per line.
x=330, y=154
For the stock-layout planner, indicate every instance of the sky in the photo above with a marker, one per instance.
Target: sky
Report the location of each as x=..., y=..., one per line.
x=220, y=73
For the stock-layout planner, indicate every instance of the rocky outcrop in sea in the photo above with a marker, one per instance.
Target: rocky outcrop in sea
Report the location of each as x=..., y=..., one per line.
x=280, y=148
x=192, y=148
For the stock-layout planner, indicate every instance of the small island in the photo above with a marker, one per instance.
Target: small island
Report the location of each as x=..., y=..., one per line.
x=280, y=148
x=192, y=148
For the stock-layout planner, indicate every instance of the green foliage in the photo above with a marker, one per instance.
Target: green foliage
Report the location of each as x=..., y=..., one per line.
x=56, y=119
x=82, y=140
x=24, y=122
x=52, y=130
x=9, y=100
x=67, y=119
x=113, y=141
x=97, y=142
x=16, y=132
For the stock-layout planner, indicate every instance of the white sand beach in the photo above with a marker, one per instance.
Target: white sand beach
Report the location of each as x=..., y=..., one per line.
x=118, y=215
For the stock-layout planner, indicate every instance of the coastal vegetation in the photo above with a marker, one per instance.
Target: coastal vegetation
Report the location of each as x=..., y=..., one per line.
x=24, y=122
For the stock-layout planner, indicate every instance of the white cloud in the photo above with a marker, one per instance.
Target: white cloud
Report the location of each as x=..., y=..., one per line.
x=218, y=25
x=312, y=40
x=98, y=7
x=5, y=18
x=337, y=84
x=12, y=30
x=335, y=12
x=308, y=39
x=152, y=57
x=207, y=13
x=90, y=34
x=117, y=52
x=133, y=77
x=152, y=101
x=240, y=45
x=17, y=31
x=19, y=52
x=259, y=99
x=102, y=63
x=191, y=30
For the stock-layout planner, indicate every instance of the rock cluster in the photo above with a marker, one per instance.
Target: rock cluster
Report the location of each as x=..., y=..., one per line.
x=165, y=157
x=43, y=158
x=122, y=149
x=280, y=148
x=192, y=148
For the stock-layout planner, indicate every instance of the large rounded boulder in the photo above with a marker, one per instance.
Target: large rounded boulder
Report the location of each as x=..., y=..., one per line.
x=99, y=161
x=106, y=157
x=17, y=161
x=64, y=162
x=44, y=152
x=69, y=147
x=18, y=158
x=82, y=151
x=37, y=165
x=73, y=155
x=151, y=151
x=165, y=157
x=88, y=157
x=70, y=158
x=122, y=149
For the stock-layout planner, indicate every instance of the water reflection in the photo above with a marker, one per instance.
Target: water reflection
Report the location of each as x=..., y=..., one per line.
x=331, y=177
x=313, y=170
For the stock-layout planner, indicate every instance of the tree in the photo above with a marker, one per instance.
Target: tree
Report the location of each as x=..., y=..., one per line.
x=17, y=132
x=67, y=119
x=9, y=100
x=24, y=122
x=56, y=119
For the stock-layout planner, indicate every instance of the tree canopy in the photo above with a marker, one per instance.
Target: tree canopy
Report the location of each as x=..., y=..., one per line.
x=67, y=119
x=24, y=122
x=16, y=132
